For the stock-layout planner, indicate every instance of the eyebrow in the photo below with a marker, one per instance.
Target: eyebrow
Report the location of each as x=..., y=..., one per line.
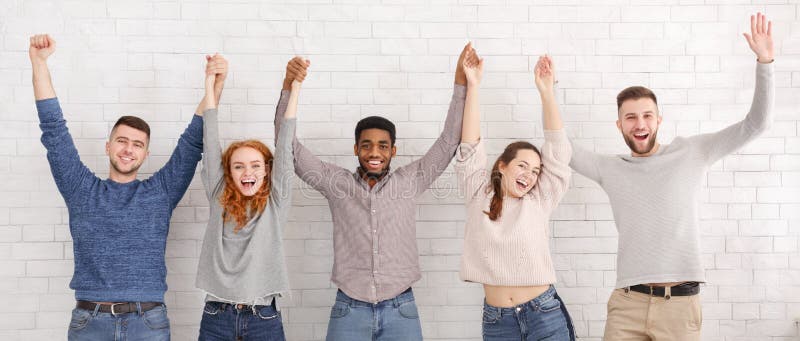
x=127, y=139
x=370, y=141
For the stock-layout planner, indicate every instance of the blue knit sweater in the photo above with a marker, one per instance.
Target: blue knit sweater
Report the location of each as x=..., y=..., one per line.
x=119, y=231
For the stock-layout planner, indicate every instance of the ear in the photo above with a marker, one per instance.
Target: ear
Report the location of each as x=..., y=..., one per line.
x=619, y=124
x=502, y=166
x=659, y=119
x=394, y=151
x=108, y=147
x=355, y=149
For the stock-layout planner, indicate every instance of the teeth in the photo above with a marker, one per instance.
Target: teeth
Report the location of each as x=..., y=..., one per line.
x=640, y=134
x=522, y=182
x=374, y=163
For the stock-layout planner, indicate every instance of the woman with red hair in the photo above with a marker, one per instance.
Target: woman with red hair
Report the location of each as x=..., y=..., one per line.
x=508, y=211
x=241, y=267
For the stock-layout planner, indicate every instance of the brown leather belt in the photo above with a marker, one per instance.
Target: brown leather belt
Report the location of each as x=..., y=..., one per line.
x=117, y=308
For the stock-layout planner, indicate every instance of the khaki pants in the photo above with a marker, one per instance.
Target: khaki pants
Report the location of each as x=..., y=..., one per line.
x=637, y=316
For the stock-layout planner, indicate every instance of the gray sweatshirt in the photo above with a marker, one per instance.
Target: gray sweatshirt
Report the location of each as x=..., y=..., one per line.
x=248, y=266
x=655, y=199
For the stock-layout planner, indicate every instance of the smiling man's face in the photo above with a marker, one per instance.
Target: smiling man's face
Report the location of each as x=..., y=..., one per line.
x=638, y=121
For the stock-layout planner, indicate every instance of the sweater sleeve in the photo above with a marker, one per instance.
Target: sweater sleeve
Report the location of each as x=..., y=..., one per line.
x=65, y=163
x=426, y=169
x=585, y=162
x=212, y=171
x=471, y=168
x=555, y=174
x=282, y=164
x=318, y=174
x=177, y=173
x=715, y=146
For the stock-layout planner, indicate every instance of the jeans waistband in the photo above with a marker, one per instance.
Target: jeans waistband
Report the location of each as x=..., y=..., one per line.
x=405, y=296
x=549, y=294
x=241, y=307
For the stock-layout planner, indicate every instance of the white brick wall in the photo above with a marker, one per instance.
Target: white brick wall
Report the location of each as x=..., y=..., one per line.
x=396, y=58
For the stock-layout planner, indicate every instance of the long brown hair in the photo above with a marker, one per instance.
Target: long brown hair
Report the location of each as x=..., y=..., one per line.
x=234, y=204
x=496, y=206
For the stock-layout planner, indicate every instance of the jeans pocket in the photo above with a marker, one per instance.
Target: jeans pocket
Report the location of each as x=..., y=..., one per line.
x=550, y=305
x=490, y=316
x=156, y=318
x=267, y=313
x=80, y=318
x=409, y=310
x=339, y=309
x=211, y=308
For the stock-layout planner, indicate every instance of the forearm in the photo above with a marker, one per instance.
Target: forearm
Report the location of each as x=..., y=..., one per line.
x=551, y=117
x=471, y=126
x=42, y=84
x=760, y=116
x=291, y=109
x=280, y=111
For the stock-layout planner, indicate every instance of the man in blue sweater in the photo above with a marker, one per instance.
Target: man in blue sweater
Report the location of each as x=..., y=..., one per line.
x=119, y=225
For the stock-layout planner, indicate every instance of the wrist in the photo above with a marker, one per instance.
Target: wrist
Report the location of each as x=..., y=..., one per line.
x=38, y=63
x=764, y=59
x=287, y=84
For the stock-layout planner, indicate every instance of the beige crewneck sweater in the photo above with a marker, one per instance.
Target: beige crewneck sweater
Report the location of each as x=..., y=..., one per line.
x=514, y=250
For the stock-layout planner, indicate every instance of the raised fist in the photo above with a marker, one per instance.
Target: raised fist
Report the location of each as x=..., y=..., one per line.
x=42, y=46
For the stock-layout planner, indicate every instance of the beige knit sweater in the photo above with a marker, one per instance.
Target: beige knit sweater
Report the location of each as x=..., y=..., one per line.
x=514, y=250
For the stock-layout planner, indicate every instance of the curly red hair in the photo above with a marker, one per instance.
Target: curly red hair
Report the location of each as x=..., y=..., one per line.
x=234, y=204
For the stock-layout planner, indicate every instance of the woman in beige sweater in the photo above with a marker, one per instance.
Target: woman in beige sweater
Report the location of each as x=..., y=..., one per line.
x=508, y=209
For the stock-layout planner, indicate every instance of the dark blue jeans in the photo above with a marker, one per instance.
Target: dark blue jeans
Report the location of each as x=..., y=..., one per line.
x=151, y=325
x=224, y=321
x=542, y=318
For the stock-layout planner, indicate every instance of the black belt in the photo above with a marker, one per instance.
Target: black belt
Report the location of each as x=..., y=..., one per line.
x=685, y=289
x=117, y=308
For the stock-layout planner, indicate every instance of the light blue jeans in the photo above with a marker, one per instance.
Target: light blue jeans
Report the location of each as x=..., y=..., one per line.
x=542, y=318
x=392, y=319
x=91, y=325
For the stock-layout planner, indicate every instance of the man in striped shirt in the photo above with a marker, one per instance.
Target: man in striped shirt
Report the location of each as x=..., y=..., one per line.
x=374, y=227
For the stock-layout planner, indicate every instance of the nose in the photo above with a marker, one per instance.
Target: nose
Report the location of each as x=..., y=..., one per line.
x=640, y=122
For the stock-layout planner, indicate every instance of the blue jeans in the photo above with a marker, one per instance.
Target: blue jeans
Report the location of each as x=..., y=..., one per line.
x=542, y=318
x=224, y=321
x=392, y=319
x=151, y=325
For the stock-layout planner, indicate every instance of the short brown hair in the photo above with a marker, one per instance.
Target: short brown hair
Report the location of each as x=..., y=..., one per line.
x=634, y=93
x=133, y=122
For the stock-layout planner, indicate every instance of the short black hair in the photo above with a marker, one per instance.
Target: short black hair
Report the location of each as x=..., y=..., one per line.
x=375, y=122
x=133, y=122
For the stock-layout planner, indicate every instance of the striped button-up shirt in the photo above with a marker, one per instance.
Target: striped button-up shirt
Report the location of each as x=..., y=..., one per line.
x=374, y=229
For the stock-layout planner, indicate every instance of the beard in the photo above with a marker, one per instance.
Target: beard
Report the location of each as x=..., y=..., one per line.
x=133, y=170
x=631, y=142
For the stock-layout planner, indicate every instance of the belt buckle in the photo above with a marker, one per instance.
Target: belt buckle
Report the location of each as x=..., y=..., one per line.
x=112, y=308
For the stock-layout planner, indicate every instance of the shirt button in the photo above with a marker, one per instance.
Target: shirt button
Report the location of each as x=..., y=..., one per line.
x=374, y=231
x=374, y=271
x=373, y=211
x=518, y=309
x=375, y=251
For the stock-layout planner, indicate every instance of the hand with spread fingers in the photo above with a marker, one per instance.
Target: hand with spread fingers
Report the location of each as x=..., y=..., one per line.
x=760, y=38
